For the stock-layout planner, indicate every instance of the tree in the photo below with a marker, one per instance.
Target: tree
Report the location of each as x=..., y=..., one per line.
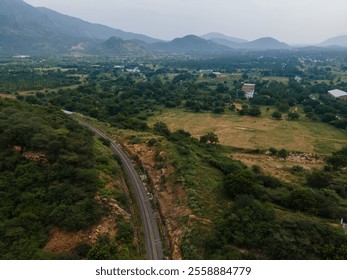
x=254, y=111
x=303, y=200
x=318, y=179
x=218, y=110
x=283, y=107
x=221, y=88
x=161, y=129
x=338, y=160
x=241, y=182
x=277, y=115
x=104, y=249
x=283, y=153
x=244, y=110
x=293, y=116
x=328, y=117
x=209, y=137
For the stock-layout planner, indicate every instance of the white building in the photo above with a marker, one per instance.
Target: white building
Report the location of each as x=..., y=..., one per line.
x=133, y=70
x=205, y=71
x=340, y=94
x=249, y=90
x=298, y=79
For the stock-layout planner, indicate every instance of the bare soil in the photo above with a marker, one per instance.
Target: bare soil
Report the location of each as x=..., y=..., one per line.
x=276, y=167
x=168, y=196
x=62, y=241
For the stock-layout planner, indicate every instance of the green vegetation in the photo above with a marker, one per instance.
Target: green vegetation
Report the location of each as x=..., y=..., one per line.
x=192, y=123
x=248, y=208
x=23, y=77
x=270, y=219
x=47, y=178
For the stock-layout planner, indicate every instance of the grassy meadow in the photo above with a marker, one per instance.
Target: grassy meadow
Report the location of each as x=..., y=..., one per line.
x=257, y=133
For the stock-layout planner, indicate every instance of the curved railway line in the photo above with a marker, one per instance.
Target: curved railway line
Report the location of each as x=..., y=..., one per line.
x=153, y=242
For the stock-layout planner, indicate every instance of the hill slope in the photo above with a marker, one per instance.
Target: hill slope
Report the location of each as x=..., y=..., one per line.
x=24, y=28
x=118, y=46
x=266, y=43
x=340, y=41
x=61, y=189
x=52, y=175
x=191, y=44
x=75, y=27
x=215, y=36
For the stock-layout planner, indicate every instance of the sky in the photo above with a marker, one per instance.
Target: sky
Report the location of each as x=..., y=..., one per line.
x=290, y=21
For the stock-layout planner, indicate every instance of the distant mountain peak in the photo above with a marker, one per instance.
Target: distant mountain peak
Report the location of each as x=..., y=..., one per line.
x=189, y=38
x=215, y=36
x=24, y=28
x=338, y=41
x=266, y=43
x=118, y=46
x=191, y=44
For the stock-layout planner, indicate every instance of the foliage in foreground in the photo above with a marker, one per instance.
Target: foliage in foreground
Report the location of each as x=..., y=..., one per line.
x=47, y=178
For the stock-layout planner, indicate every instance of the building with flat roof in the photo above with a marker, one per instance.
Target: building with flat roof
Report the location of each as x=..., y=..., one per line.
x=340, y=94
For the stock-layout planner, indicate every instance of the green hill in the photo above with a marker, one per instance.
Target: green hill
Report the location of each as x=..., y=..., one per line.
x=50, y=172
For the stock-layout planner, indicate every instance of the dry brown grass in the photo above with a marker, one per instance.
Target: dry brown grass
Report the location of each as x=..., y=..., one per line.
x=257, y=133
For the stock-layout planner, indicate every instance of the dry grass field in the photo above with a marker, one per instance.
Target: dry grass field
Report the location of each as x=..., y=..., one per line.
x=257, y=133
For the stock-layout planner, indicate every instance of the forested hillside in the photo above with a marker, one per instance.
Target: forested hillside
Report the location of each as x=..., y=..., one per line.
x=48, y=178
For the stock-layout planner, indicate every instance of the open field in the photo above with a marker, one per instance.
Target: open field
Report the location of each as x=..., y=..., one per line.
x=277, y=79
x=257, y=133
x=7, y=96
x=277, y=167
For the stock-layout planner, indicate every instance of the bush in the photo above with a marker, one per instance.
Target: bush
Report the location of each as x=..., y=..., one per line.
x=273, y=151
x=183, y=150
x=303, y=200
x=151, y=142
x=276, y=115
x=125, y=232
x=318, y=179
x=296, y=169
x=209, y=137
x=254, y=111
x=82, y=249
x=241, y=182
x=293, y=116
x=283, y=153
x=104, y=141
x=338, y=160
x=269, y=182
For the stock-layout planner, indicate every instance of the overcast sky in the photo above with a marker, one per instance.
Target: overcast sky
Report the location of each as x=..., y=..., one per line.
x=292, y=21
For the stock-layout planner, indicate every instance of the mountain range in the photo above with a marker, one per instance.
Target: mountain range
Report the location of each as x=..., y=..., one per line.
x=340, y=41
x=237, y=43
x=30, y=30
